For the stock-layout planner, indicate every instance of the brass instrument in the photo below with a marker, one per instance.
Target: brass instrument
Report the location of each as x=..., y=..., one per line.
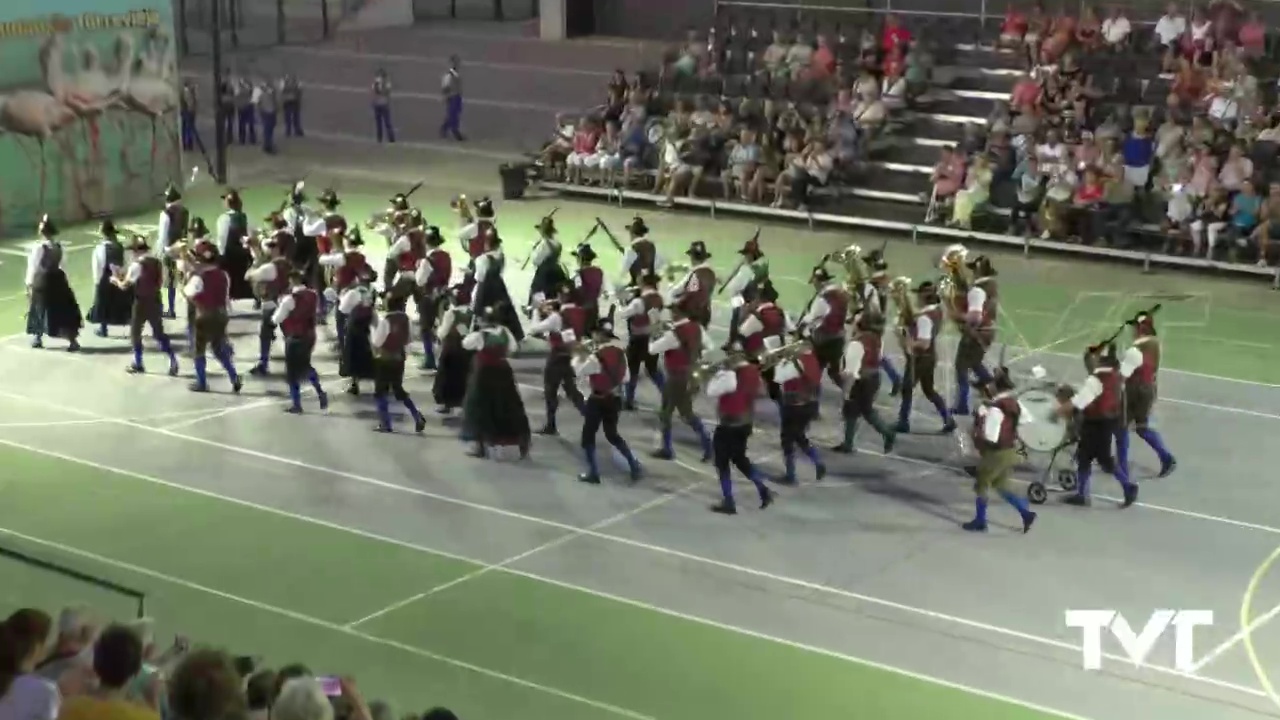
x=955, y=280
x=791, y=351
x=855, y=268
x=462, y=206
x=674, y=271
x=900, y=293
x=379, y=219
x=707, y=370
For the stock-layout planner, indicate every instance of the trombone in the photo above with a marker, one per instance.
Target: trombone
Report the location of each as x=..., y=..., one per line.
x=787, y=353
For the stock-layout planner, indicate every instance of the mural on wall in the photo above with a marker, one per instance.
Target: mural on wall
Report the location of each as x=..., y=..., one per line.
x=88, y=109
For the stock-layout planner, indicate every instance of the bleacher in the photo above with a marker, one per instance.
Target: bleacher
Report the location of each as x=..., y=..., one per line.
x=889, y=188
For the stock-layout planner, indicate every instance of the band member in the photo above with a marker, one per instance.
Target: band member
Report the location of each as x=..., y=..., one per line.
x=604, y=371
x=409, y=249
x=1100, y=402
x=432, y=278
x=278, y=232
x=386, y=223
x=171, y=229
x=693, y=291
x=355, y=310
x=642, y=313
x=491, y=289
x=390, y=340
x=450, y=385
x=860, y=370
x=493, y=411
x=875, y=297
x=735, y=387
x=762, y=321
x=52, y=309
x=563, y=322
x=976, y=319
x=143, y=278
x=593, y=286
x=331, y=237
x=548, y=273
x=472, y=235
x=752, y=273
x=348, y=265
x=230, y=232
x=799, y=379
x=920, y=345
x=295, y=315
x=111, y=305
x=995, y=434
x=680, y=348
x=641, y=258
x=271, y=278
x=306, y=225
x=824, y=322
x=185, y=261
x=1140, y=366
x=208, y=290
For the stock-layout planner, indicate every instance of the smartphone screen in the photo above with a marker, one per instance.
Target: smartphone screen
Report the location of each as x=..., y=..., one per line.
x=330, y=685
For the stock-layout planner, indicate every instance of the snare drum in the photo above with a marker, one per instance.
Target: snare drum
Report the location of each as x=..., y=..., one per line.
x=1040, y=428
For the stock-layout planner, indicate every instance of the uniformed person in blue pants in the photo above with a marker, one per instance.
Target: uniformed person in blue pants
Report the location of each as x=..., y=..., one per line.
x=382, y=107
x=451, y=90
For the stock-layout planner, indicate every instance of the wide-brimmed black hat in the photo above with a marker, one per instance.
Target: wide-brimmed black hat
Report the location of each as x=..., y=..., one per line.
x=981, y=264
x=433, y=236
x=751, y=247
x=484, y=209
x=400, y=202
x=353, y=238
x=604, y=326
x=297, y=196
x=547, y=226
x=46, y=227
x=698, y=251
x=198, y=229
x=879, y=267
x=232, y=199
x=585, y=253
x=820, y=274
x=637, y=227
x=108, y=228
x=329, y=199
x=139, y=244
x=171, y=193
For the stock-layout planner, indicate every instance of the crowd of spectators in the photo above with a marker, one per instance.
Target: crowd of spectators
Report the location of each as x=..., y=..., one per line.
x=77, y=670
x=1182, y=139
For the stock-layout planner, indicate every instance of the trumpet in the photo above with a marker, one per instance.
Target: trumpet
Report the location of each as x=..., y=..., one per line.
x=787, y=353
x=462, y=206
x=379, y=219
x=707, y=370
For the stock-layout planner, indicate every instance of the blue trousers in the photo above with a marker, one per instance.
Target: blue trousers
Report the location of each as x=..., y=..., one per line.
x=292, y=118
x=452, y=124
x=246, y=126
x=382, y=123
x=269, y=133
x=188, y=130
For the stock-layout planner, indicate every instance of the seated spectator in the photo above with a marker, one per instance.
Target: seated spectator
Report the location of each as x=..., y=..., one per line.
x=1201, y=134
x=635, y=147
x=147, y=687
x=1215, y=213
x=302, y=699
x=117, y=660
x=1089, y=29
x=259, y=689
x=799, y=57
x=1179, y=214
x=1055, y=210
x=1253, y=36
x=206, y=686
x=974, y=194
x=841, y=105
x=744, y=160
x=1170, y=28
x=1272, y=133
x=608, y=157
x=1053, y=154
x=893, y=90
x=870, y=112
x=1085, y=201
x=1188, y=90
x=693, y=54
x=1030, y=184
x=1204, y=174
x=1198, y=42
x=823, y=63
x=1037, y=30
x=1138, y=150
x=585, y=141
x=894, y=36
x=76, y=632
x=1168, y=135
x=1246, y=213
x=865, y=83
x=948, y=176
x=1236, y=170
x=1176, y=167
x=919, y=67
x=1025, y=96
x=24, y=694
x=772, y=159
x=815, y=173
x=1013, y=28
x=1114, y=214
x=1224, y=109
x=695, y=159
x=775, y=57
x=1267, y=234
x=1116, y=29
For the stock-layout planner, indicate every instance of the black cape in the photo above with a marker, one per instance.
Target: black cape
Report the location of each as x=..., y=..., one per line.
x=236, y=258
x=491, y=292
x=356, y=361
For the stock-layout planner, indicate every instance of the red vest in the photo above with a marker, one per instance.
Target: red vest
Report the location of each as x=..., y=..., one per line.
x=301, y=322
x=613, y=371
x=284, y=242
x=1146, y=373
x=214, y=285
x=871, y=344
x=774, y=322
x=409, y=259
x=572, y=318
x=353, y=263
x=1008, y=405
x=803, y=390
x=491, y=355
x=278, y=286
x=148, y=283
x=833, y=324
x=592, y=283
x=639, y=325
x=334, y=225
x=645, y=258
x=698, y=301
x=1106, y=405
x=475, y=246
x=398, y=338
x=934, y=313
x=680, y=359
x=441, y=269
x=737, y=407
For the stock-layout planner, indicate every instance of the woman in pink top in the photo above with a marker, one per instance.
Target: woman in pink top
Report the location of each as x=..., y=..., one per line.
x=948, y=175
x=1025, y=97
x=1205, y=175
x=1253, y=36
x=1014, y=27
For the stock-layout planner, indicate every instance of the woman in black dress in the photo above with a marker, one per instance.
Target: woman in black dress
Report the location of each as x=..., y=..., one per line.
x=356, y=305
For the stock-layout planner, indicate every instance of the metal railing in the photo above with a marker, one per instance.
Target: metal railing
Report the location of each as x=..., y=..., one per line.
x=136, y=596
x=258, y=23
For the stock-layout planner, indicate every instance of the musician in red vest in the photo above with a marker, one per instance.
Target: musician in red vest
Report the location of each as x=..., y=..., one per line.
x=472, y=235
x=1140, y=366
x=330, y=235
x=798, y=379
x=680, y=346
x=977, y=324
x=144, y=276
x=602, y=366
x=208, y=289
x=641, y=257
x=995, y=434
x=271, y=280
x=642, y=314
x=356, y=314
x=860, y=371
x=920, y=344
x=562, y=322
x=409, y=249
x=493, y=411
x=432, y=276
x=1100, y=402
x=296, y=315
x=735, y=387
x=592, y=284
x=390, y=340
x=761, y=322
x=693, y=291
x=824, y=321
x=346, y=264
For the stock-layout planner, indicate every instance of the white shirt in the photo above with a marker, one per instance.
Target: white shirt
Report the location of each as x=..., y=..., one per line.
x=819, y=308
x=1223, y=107
x=1169, y=27
x=740, y=280
x=819, y=166
x=752, y=325
x=381, y=332
x=1131, y=361
x=1200, y=31
x=312, y=224
x=469, y=232
x=450, y=322
x=423, y=273
x=924, y=329
x=475, y=340
x=851, y=366
x=551, y=323
x=583, y=368
x=629, y=257
x=264, y=273
x=30, y=697
x=34, y=258
x=1091, y=389
x=353, y=298
x=98, y=263
x=134, y=272
x=401, y=246
x=334, y=259
x=787, y=371
x=221, y=231
x=1115, y=30
x=162, y=230
x=722, y=383
x=976, y=298
x=483, y=262
x=545, y=250
x=286, y=305
x=992, y=422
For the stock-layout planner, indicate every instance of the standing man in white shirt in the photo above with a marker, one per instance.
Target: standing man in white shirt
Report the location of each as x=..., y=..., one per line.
x=1170, y=27
x=451, y=91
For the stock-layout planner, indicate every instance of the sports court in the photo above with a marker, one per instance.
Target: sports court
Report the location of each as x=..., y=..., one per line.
x=508, y=589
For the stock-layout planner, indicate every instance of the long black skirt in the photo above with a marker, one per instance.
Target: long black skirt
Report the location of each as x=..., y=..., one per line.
x=493, y=411
x=548, y=278
x=450, y=385
x=236, y=262
x=54, y=310
x=356, y=361
x=111, y=305
x=492, y=293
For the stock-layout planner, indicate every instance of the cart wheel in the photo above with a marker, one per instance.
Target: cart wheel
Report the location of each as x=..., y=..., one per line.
x=1037, y=493
x=1067, y=479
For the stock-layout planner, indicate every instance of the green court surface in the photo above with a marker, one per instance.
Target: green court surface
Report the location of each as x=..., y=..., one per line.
x=504, y=644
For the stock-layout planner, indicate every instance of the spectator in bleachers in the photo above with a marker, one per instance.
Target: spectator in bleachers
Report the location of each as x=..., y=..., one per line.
x=1089, y=29
x=76, y=632
x=1013, y=28
x=259, y=690
x=799, y=57
x=1139, y=151
x=893, y=35
x=206, y=686
x=948, y=178
x=24, y=694
x=1169, y=29
x=1086, y=202
x=155, y=665
x=1030, y=191
x=693, y=55
x=1236, y=170
x=1253, y=36
x=974, y=194
x=1215, y=213
x=302, y=699
x=823, y=63
x=117, y=661
x=608, y=159
x=1198, y=42
x=1267, y=232
x=893, y=89
x=1179, y=213
x=744, y=161
x=1116, y=29
x=775, y=57
x=586, y=139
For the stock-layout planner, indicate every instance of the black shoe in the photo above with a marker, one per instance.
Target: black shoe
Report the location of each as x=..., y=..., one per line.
x=889, y=440
x=1079, y=500
x=789, y=481
x=725, y=507
x=842, y=448
x=198, y=387
x=949, y=427
x=549, y=430
x=975, y=525
x=135, y=369
x=74, y=346
x=259, y=370
x=419, y=424
x=477, y=452
x=589, y=478
x=443, y=410
x=353, y=390
x=1130, y=495
x=173, y=367
x=902, y=427
x=323, y=397
x=382, y=428
x=766, y=498
x=236, y=385
x=294, y=410
x=662, y=454
x=100, y=332
x=629, y=405
x=1167, y=469
x=896, y=389
x=1027, y=519
x=820, y=470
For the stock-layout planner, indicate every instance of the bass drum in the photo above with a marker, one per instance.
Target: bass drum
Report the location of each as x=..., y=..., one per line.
x=1040, y=429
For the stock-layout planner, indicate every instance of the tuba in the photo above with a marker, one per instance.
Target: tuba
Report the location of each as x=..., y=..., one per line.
x=462, y=206
x=900, y=293
x=954, y=282
x=855, y=268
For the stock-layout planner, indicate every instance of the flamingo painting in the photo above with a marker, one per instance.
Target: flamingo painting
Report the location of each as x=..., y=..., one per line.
x=148, y=92
x=36, y=114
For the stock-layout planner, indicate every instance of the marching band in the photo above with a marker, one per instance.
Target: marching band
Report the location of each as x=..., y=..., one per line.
x=305, y=263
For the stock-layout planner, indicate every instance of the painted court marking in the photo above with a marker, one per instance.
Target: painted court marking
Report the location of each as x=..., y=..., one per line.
x=733, y=567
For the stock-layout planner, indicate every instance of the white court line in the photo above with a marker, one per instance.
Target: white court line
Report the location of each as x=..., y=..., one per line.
x=1235, y=639
x=724, y=565
x=506, y=570
x=441, y=61
x=293, y=615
